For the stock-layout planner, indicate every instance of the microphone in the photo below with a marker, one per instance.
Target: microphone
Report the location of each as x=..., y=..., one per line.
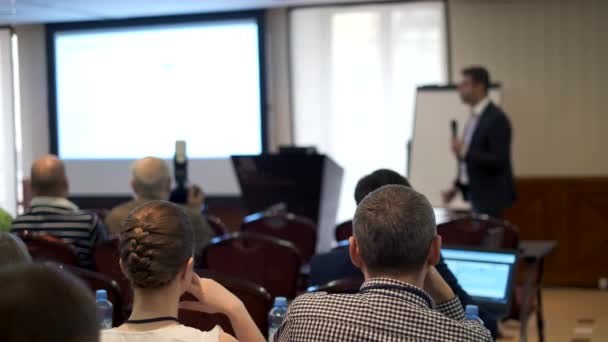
x=180, y=169
x=454, y=128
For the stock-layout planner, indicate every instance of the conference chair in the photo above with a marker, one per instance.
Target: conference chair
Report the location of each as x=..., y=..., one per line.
x=270, y=262
x=300, y=231
x=218, y=226
x=106, y=257
x=44, y=247
x=344, y=285
x=344, y=230
x=479, y=231
x=484, y=231
x=97, y=281
x=255, y=298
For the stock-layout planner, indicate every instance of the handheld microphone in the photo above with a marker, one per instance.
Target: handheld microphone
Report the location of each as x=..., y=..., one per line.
x=454, y=127
x=180, y=169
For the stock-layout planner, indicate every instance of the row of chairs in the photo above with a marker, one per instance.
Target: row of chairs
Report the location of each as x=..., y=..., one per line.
x=56, y=253
x=270, y=251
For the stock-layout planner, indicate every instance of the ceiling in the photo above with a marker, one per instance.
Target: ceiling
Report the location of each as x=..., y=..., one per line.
x=14, y=12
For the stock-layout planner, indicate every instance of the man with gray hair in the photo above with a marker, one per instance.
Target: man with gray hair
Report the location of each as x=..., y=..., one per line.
x=403, y=298
x=151, y=180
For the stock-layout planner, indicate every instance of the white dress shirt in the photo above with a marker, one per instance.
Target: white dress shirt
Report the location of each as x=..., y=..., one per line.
x=469, y=130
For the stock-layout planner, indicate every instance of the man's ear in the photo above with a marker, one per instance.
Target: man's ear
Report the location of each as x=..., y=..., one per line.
x=66, y=186
x=186, y=274
x=434, y=251
x=353, y=250
x=132, y=184
x=122, y=266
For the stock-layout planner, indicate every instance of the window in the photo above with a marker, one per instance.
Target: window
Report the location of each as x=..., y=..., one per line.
x=355, y=70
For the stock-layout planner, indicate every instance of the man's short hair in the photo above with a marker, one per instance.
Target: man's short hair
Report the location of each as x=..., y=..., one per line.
x=47, y=176
x=43, y=302
x=376, y=180
x=394, y=227
x=479, y=75
x=150, y=176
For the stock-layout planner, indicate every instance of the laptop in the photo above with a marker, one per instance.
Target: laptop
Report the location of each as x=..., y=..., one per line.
x=486, y=275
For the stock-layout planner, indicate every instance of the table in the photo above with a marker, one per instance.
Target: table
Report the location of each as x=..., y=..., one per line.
x=533, y=253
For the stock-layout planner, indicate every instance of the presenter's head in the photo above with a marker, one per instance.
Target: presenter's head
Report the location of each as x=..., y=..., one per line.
x=151, y=179
x=474, y=84
x=394, y=234
x=48, y=177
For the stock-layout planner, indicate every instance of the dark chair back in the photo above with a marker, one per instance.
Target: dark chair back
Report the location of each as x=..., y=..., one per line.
x=255, y=298
x=44, y=247
x=479, y=231
x=345, y=285
x=218, y=226
x=264, y=260
x=97, y=281
x=344, y=230
x=106, y=257
x=298, y=230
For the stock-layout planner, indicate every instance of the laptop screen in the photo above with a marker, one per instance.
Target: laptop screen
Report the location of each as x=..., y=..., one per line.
x=484, y=275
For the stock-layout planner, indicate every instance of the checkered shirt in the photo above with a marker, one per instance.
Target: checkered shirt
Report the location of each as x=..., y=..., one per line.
x=383, y=310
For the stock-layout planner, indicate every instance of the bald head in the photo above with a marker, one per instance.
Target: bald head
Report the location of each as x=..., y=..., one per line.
x=151, y=179
x=48, y=177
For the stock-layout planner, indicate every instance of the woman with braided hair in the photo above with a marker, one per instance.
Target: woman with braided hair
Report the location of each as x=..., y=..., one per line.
x=156, y=249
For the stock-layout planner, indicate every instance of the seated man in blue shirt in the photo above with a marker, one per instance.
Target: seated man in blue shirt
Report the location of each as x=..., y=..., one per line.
x=336, y=264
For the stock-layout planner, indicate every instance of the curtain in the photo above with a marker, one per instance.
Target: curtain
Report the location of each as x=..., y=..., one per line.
x=355, y=70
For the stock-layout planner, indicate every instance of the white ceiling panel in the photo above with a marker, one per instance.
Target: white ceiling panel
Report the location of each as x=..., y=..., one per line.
x=14, y=12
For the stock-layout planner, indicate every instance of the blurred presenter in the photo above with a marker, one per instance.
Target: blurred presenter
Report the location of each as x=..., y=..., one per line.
x=485, y=175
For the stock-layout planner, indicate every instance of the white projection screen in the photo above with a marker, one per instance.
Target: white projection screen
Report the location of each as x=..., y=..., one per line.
x=125, y=89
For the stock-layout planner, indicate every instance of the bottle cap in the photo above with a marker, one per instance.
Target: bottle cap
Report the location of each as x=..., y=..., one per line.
x=101, y=295
x=472, y=310
x=280, y=301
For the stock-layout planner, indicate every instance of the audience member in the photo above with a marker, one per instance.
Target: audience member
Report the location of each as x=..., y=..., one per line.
x=156, y=255
x=336, y=264
x=5, y=221
x=151, y=180
x=395, y=243
x=12, y=250
x=52, y=213
x=42, y=303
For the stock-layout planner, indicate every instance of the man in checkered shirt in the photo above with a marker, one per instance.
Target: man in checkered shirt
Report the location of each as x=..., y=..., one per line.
x=403, y=298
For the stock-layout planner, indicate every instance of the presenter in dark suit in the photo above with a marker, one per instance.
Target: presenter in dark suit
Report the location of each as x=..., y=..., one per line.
x=485, y=175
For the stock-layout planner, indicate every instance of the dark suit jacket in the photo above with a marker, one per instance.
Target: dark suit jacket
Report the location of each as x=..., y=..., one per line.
x=488, y=161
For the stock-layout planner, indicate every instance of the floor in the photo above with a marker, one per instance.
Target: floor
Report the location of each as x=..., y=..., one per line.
x=571, y=315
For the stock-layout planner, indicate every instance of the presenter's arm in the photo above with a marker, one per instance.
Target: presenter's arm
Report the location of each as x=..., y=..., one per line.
x=499, y=141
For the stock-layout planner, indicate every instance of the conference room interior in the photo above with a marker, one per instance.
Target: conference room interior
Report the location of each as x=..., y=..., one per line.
x=284, y=105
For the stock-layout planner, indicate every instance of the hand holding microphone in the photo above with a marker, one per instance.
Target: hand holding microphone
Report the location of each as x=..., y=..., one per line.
x=457, y=144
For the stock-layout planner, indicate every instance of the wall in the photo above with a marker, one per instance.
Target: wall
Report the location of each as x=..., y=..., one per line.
x=278, y=83
x=33, y=87
x=551, y=57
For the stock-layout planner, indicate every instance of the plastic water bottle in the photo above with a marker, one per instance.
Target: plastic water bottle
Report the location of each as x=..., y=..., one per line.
x=276, y=316
x=472, y=313
x=104, y=309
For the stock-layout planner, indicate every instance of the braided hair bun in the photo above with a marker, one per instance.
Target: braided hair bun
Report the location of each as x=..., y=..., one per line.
x=155, y=242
